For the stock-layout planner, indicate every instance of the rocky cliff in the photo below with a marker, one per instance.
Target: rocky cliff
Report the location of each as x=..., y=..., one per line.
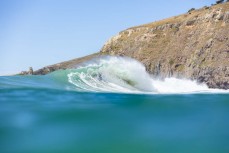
x=194, y=45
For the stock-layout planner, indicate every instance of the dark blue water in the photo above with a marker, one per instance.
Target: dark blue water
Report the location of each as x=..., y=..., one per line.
x=49, y=120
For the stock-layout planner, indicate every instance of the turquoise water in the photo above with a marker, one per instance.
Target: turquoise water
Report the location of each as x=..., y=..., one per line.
x=74, y=111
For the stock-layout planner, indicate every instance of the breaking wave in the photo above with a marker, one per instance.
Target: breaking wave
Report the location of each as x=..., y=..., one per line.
x=126, y=75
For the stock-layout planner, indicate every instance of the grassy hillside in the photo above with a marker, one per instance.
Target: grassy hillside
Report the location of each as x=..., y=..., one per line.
x=193, y=45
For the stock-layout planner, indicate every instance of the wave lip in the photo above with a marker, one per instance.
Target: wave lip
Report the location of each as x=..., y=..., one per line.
x=112, y=74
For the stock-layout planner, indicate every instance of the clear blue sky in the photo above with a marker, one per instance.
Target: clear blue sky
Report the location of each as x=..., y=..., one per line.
x=42, y=32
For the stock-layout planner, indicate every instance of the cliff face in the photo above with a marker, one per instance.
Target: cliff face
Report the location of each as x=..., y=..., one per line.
x=194, y=45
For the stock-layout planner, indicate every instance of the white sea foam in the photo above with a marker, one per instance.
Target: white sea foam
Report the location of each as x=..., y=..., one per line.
x=125, y=75
x=174, y=85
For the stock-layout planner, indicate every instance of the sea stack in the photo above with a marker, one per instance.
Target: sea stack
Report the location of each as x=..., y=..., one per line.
x=30, y=72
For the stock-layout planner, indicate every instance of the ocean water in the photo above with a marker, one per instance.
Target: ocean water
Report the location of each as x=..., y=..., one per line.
x=111, y=105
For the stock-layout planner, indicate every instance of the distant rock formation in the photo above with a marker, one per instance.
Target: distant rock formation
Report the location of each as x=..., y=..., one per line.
x=65, y=65
x=29, y=72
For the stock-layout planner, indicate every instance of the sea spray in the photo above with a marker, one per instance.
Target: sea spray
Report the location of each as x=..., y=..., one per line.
x=112, y=74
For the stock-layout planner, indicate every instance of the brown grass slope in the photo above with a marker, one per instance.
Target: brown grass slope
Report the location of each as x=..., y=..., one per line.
x=194, y=45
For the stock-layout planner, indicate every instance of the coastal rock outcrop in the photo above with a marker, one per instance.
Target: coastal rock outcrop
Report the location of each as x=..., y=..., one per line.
x=194, y=45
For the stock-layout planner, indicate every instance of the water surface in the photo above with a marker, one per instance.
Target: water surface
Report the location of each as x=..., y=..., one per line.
x=92, y=110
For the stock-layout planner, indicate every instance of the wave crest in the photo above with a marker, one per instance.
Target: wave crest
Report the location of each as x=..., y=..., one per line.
x=112, y=74
x=122, y=74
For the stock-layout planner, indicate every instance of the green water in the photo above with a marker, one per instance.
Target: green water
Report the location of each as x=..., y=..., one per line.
x=44, y=120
